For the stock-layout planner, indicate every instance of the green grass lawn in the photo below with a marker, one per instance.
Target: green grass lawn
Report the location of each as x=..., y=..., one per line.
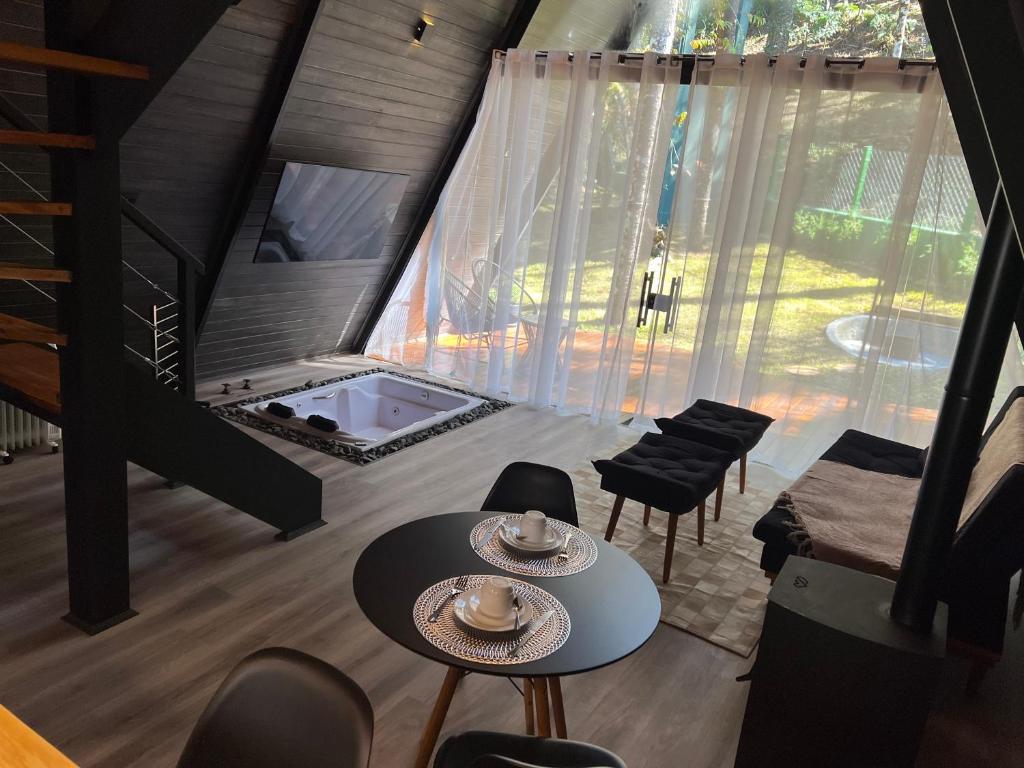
x=813, y=291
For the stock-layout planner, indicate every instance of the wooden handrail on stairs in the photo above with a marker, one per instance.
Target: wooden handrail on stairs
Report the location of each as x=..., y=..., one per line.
x=34, y=208
x=56, y=140
x=70, y=62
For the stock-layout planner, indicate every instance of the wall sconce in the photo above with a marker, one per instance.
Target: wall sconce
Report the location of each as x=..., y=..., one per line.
x=424, y=30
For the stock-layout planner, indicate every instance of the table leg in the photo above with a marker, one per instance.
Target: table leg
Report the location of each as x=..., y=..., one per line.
x=540, y=690
x=718, y=498
x=528, y=705
x=647, y=513
x=557, y=707
x=433, y=728
x=614, y=519
x=743, y=473
x=670, y=546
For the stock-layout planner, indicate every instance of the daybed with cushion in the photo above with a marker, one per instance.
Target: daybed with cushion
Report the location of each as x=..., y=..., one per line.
x=989, y=545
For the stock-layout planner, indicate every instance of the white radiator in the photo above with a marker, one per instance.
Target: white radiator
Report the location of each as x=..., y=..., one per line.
x=23, y=430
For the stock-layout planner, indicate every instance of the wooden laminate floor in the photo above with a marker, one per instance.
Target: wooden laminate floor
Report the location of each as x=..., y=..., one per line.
x=212, y=585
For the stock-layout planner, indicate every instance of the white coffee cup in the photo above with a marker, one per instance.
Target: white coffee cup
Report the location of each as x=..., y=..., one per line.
x=533, y=526
x=495, y=598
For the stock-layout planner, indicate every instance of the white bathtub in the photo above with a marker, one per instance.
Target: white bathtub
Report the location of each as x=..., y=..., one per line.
x=369, y=410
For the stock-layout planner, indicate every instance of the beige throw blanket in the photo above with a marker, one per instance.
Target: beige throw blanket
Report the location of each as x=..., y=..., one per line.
x=860, y=519
x=852, y=517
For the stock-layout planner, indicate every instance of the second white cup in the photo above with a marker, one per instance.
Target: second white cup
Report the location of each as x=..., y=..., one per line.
x=533, y=526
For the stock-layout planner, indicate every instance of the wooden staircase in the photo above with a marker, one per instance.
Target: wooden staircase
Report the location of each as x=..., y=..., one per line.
x=30, y=373
x=16, y=329
x=43, y=139
x=111, y=410
x=16, y=53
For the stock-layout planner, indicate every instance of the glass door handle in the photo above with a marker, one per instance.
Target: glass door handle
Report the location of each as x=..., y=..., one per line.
x=645, y=305
x=673, y=304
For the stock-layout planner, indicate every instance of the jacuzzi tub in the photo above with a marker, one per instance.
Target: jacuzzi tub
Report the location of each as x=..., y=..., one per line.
x=369, y=410
x=909, y=341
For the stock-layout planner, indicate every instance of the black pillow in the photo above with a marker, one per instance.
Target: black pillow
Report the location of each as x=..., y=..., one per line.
x=280, y=410
x=316, y=421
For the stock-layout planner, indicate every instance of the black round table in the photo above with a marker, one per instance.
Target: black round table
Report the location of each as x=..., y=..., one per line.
x=613, y=605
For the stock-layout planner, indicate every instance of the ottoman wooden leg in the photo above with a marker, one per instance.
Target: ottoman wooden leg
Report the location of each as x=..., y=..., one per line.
x=743, y=473
x=614, y=519
x=670, y=546
x=700, y=524
x=647, y=513
x=718, y=498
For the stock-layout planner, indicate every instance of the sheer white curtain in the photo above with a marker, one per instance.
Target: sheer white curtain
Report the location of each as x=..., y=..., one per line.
x=527, y=272
x=824, y=234
x=813, y=264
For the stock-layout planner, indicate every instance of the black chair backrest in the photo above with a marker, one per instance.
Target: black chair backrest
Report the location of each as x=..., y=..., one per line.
x=523, y=485
x=485, y=749
x=282, y=707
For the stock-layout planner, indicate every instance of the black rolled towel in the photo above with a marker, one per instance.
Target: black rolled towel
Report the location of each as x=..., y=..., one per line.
x=280, y=410
x=322, y=423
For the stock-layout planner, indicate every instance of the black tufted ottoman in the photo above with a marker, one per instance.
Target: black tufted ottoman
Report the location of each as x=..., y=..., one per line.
x=669, y=473
x=722, y=426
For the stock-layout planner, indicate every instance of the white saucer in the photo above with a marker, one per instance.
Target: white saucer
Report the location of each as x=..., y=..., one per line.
x=508, y=535
x=466, y=614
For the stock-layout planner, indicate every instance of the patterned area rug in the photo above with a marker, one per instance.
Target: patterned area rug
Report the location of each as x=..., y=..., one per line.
x=717, y=591
x=233, y=412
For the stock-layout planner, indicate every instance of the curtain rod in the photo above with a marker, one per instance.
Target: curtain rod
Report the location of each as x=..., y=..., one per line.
x=692, y=58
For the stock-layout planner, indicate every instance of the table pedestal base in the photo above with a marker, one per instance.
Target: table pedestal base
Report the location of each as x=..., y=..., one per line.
x=542, y=702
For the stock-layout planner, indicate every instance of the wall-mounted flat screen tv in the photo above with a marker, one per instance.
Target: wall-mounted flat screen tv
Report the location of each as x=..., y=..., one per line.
x=322, y=213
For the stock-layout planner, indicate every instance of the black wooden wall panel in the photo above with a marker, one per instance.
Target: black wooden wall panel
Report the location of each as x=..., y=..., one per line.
x=366, y=97
x=180, y=160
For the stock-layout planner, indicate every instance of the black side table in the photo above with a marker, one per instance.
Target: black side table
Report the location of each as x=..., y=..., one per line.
x=613, y=606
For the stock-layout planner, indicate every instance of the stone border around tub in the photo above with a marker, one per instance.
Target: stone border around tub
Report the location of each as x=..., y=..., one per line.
x=233, y=412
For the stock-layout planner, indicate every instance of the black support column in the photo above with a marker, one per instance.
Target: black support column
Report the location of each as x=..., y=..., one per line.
x=988, y=318
x=92, y=365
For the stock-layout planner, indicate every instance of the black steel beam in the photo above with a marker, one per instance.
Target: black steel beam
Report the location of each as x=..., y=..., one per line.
x=158, y=33
x=988, y=318
x=186, y=330
x=963, y=106
x=261, y=139
x=193, y=445
x=979, y=50
x=987, y=40
x=509, y=38
x=89, y=311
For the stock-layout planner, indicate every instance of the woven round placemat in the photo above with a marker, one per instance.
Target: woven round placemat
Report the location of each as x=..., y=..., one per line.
x=452, y=639
x=582, y=552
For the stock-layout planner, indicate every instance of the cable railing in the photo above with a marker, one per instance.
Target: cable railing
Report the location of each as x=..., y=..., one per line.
x=164, y=354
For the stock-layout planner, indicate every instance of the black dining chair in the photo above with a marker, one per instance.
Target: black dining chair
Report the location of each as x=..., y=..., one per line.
x=484, y=749
x=283, y=707
x=523, y=485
